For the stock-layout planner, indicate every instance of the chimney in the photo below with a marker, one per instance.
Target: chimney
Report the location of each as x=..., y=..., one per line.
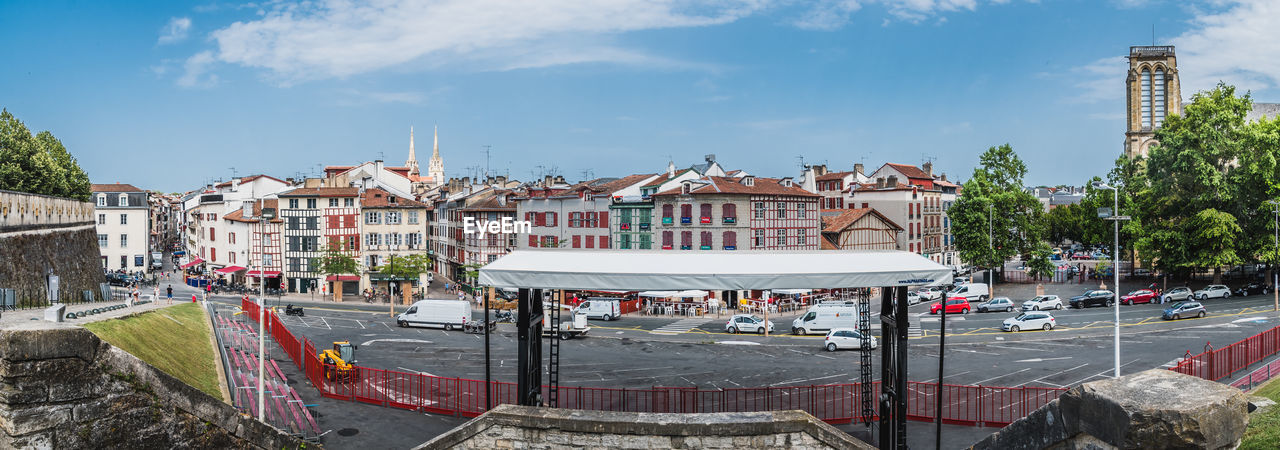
x=246, y=209
x=288, y=181
x=944, y=176
x=858, y=168
x=819, y=169
x=546, y=181
x=501, y=180
x=235, y=184
x=880, y=183
x=560, y=179
x=892, y=182
x=671, y=169
x=710, y=158
x=928, y=168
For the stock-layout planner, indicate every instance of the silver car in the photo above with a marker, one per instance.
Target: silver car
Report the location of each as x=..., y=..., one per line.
x=997, y=304
x=1042, y=302
x=1177, y=295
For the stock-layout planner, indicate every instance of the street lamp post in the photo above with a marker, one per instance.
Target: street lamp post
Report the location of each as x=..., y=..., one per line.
x=1115, y=264
x=1275, y=275
x=991, y=285
x=266, y=216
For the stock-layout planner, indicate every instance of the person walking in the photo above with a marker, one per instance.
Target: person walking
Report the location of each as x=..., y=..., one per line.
x=155, y=293
x=169, y=293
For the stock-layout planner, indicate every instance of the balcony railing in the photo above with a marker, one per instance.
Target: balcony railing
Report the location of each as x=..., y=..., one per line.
x=667, y=221
x=666, y=247
x=730, y=220
x=624, y=226
x=686, y=247
x=704, y=220
x=644, y=226
x=686, y=220
x=705, y=247
x=730, y=247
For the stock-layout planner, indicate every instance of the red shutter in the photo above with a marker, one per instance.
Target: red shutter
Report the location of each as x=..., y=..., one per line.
x=604, y=241
x=666, y=211
x=577, y=241
x=667, y=238
x=730, y=239
x=686, y=238
x=604, y=221
x=333, y=221
x=541, y=218
x=591, y=243
x=533, y=240
x=528, y=216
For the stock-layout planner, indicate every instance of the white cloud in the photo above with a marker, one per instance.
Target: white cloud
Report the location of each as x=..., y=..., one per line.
x=175, y=31
x=827, y=15
x=1238, y=43
x=1099, y=81
x=194, y=71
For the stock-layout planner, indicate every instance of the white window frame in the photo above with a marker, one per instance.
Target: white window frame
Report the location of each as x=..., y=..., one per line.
x=372, y=218
x=102, y=199
x=124, y=200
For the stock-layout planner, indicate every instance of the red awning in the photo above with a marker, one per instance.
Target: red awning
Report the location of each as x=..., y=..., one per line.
x=230, y=269
x=192, y=263
x=270, y=273
x=342, y=278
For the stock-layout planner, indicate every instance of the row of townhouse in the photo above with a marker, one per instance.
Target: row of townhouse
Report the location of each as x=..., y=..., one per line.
x=124, y=226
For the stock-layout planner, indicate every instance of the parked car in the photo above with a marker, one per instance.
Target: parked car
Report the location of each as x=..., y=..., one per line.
x=1042, y=302
x=954, y=305
x=747, y=323
x=826, y=316
x=996, y=304
x=1177, y=294
x=913, y=298
x=970, y=291
x=1253, y=289
x=1212, y=291
x=931, y=293
x=1096, y=297
x=960, y=280
x=1139, y=296
x=1183, y=309
x=1029, y=321
x=119, y=279
x=839, y=338
x=1081, y=256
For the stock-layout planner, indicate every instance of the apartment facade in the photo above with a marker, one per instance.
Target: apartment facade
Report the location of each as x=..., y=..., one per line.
x=578, y=216
x=123, y=214
x=748, y=213
x=314, y=218
x=916, y=209
x=859, y=229
x=390, y=225
x=262, y=255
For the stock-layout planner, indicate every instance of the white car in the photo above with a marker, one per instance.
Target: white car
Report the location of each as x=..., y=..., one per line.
x=1042, y=302
x=913, y=298
x=747, y=323
x=931, y=293
x=839, y=338
x=1029, y=321
x=1212, y=291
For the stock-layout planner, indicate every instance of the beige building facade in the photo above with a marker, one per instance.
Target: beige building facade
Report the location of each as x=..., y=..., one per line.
x=1152, y=94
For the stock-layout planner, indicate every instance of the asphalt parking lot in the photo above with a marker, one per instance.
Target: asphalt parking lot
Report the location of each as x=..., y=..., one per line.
x=640, y=351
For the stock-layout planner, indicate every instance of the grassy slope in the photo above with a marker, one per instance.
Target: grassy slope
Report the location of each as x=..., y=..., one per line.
x=1264, y=428
x=175, y=340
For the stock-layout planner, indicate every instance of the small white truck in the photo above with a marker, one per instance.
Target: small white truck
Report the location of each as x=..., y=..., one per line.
x=572, y=322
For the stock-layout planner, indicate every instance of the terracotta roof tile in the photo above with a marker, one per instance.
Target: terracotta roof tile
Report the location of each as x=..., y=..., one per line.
x=723, y=185
x=833, y=176
x=910, y=171
x=323, y=192
x=238, y=215
x=379, y=198
x=114, y=187
x=839, y=223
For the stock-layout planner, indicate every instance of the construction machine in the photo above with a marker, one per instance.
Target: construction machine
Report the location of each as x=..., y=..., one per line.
x=340, y=363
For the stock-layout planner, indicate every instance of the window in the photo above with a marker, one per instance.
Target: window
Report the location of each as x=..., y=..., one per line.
x=372, y=238
x=313, y=223
x=801, y=209
x=758, y=210
x=393, y=218
x=602, y=219
x=758, y=240
x=730, y=240
x=782, y=210
x=333, y=203
x=667, y=238
x=124, y=199
x=686, y=240
x=311, y=203
x=686, y=213
x=102, y=241
x=231, y=257
x=413, y=217
x=666, y=214
x=1157, y=99
x=625, y=218
x=102, y=200
x=124, y=262
x=212, y=234
x=782, y=237
x=729, y=213
x=706, y=240
x=645, y=242
x=393, y=239
x=293, y=203
x=624, y=241
x=102, y=219
x=293, y=223
x=800, y=237
x=124, y=219
x=348, y=202
x=704, y=215
x=591, y=242
x=373, y=261
x=266, y=260
x=372, y=218
x=213, y=254
x=1146, y=98
x=604, y=241
x=577, y=241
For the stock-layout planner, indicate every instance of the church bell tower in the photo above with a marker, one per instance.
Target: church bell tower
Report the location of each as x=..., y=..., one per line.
x=1152, y=94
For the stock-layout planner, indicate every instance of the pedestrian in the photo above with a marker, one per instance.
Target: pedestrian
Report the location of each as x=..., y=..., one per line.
x=169, y=293
x=155, y=293
x=193, y=298
x=460, y=295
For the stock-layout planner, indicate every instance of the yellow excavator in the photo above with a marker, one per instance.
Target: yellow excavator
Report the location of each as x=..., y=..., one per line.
x=340, y=363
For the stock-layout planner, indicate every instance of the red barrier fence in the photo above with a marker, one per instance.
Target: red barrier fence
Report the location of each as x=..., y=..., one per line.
x=833, y=403
x=1216, y=364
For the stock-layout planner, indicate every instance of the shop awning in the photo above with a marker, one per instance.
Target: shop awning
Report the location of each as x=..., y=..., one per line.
x=374, y=276
x=342, y=278
x=192, y=263
x=257, y=274
x=711, y=270
x=230, y=269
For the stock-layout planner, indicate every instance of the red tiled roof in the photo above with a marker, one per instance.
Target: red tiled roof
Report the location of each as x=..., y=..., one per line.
x=323, y=192
x=833, y=176
x=910, y=171
x=827, y=244
x=238, y=215
x=609, y=186
x=723, y=185
x=379, y=198
x=945, y=183
x=114, y=187
x=666, y=177
x=492, y=204
x=839, y=223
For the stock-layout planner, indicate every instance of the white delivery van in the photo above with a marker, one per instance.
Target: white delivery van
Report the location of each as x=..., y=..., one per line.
x=970, y=292
x=824, y=316
x=601, y=308
x=447, y=314
x=157, y=260
x=572, y=322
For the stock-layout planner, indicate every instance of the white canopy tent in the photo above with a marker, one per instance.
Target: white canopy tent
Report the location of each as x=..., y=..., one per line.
x=693, y=293
x=711, y=270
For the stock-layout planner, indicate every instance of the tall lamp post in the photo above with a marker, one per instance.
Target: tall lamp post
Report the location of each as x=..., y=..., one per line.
x=263, y=219
x=991, y=246
x=1275, y=280
x=1114, y=216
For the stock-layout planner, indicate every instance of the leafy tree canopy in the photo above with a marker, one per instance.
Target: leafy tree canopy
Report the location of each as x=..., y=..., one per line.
x=39, y=163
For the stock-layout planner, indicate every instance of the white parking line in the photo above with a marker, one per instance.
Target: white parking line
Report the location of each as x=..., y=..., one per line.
x=806, y=380
x=326, y=323
x=1002, y=376
x=1101, y=374
x=949, y=375
x=361, y=324
x=1039, y=380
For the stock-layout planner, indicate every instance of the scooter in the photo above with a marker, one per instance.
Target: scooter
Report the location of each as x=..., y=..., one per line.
x=290, y=310
x=504, y=316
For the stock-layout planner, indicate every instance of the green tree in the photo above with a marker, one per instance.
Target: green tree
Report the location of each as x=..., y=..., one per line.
x=335, y=262
x=38, y=164
x=1039, y=265
x=406, y=267
x=996, y=218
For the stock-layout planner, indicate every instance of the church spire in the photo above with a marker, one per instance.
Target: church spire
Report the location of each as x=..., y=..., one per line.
x=435, y=167
x=412, y=163
x=435, y=147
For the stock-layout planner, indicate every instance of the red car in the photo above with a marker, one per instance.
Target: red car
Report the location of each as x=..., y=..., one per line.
x=954, y=305
x=1140, y=296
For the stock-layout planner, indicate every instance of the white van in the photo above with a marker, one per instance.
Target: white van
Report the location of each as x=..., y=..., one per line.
x=822, y=317
x=447, y=314
x=601, y=308
x=573, y=322
x=970, y=292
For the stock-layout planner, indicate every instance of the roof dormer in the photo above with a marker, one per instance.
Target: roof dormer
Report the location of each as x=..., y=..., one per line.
x=749, y=180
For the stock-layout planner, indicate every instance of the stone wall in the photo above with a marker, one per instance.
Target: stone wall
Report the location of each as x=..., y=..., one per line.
x=510, y=426
x=39, y=233
x=1148, y=410
x=62, y=387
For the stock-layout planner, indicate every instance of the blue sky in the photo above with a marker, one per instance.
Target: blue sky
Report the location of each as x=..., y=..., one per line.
x=170, y=95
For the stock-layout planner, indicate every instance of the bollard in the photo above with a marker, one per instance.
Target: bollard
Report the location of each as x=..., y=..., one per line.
x=54, y=313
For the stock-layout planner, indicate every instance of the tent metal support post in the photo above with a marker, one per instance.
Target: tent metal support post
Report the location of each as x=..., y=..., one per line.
x=529, y=340
x=893, y=368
